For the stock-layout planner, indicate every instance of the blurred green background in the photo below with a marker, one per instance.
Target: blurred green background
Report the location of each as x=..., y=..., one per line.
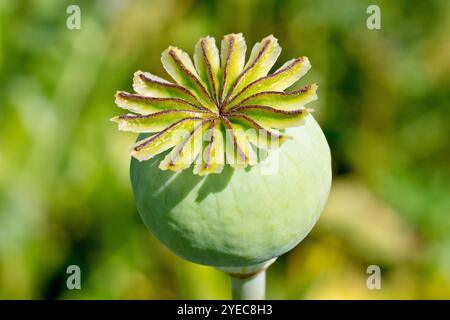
x=65, y=196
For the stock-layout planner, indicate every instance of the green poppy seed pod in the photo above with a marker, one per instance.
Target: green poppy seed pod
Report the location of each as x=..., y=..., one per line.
x=239, y=217
x=261, y=164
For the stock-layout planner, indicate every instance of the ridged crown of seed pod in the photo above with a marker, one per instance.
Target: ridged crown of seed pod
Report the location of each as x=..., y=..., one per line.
x=220, y=109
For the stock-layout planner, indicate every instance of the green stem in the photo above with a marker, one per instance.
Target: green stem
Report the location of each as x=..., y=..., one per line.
x=249, y=288
x=248, y=283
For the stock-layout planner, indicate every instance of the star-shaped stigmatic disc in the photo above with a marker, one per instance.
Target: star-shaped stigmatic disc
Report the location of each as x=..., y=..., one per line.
x=220, y=110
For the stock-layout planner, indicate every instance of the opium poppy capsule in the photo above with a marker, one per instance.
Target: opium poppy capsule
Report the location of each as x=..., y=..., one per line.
x=231, y=170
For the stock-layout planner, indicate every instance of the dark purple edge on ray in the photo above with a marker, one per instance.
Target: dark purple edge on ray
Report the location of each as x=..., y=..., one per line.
x=157, y=135
x=210, y=74
x=256, y=125
x=276, y=73
x=126, y=95
x=233, y=136
x=151, y=115
x=280, y=93
x=180, y=64
x=210, y=145
x=173, y=86
x=243, y=73
x=225, y=69
x=185, y=141
x=266, y=108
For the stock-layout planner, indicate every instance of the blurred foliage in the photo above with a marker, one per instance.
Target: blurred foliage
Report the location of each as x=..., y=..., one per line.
x=65, y=197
